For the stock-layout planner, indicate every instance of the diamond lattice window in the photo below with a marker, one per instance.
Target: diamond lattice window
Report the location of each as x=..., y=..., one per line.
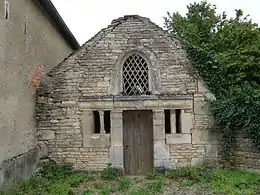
x=135, y=76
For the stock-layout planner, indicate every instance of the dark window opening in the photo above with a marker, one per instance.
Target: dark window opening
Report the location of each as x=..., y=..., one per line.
x=167, y=121
x=178, y=120
x=6, y=9
x=96, y=122
x=107, y=121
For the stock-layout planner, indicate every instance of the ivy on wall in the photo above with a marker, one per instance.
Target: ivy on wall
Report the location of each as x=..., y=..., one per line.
x=226, y=52
x=234, y=107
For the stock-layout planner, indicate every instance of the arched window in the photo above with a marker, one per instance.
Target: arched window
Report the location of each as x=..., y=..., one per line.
x=135, y=76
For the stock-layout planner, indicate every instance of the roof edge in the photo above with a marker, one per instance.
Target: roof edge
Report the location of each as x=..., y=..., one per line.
x=48, y=7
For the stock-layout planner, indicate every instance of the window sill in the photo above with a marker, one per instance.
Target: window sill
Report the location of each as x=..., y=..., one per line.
x=181, y=138
x=97, y=140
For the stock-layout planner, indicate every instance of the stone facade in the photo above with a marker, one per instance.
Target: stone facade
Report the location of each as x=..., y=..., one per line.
x=91, y=80
x=245, y=154
x=28, y=38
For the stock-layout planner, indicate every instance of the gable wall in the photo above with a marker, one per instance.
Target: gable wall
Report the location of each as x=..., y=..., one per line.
x=167, y=60
x=95, y=71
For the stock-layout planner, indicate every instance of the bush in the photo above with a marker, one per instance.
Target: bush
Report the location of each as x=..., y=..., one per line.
x=51, y=170
x=52, y=179
x=109, y=173
x=154, y=175
x=76, y=179
x=192, y=173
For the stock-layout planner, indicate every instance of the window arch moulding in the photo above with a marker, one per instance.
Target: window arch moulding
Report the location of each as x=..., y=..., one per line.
x=117, y=84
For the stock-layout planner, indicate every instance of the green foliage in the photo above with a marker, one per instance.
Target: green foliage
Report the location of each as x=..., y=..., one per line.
x=77, y=178
x=190, y=173
x=88, y=192
x=153, y=188
x=174, y=181
x=104, y=189
x=52, y=179
x=154, y=175
x=234, y=182
x=219, y=181
x=53, y=171
x=123, y=184
x=235, y=42
x=236, y=106
x=198, y=26
x=109, y=173
x=226, y=53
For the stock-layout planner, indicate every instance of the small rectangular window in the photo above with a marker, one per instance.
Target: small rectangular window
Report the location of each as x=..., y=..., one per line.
x=6, y=9
x=178, y=120
x=96, y=122
x=107, y=121
x=167, y=121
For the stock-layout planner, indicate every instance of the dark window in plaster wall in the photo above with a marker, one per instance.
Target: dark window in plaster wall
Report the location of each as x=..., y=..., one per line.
x=135, y=76
x=167, y=121
x=96, y=122
x=107, y=121
x=6, y=6
x=178, y=120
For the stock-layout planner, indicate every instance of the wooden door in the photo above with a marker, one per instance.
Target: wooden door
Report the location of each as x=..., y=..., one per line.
x=138, y=141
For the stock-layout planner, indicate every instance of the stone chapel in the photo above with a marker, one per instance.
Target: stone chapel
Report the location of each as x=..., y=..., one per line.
x=130, y=97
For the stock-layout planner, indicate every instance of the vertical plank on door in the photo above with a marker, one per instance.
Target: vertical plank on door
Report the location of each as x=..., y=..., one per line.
x=138, y=141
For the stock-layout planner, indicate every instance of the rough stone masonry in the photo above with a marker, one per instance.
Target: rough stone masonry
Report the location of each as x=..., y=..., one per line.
x=80, y=109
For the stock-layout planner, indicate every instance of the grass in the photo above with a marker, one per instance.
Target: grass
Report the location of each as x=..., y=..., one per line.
x=62, y=180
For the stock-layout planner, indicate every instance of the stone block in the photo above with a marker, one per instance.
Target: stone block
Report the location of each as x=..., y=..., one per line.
x=87, y=123
x=178, y=104
x=204, y=137
x=178, y=138
x=211, y=150
x=173, y=121
x=116, y=154
x=97, y=140
x=116, y=129
x=159, y=133
x=43, y=149
x=197, y=161
x=202, y=87
x=162, y=164
x=174, y=162
x=68, y=103
x=201, y=107
x=203, y=122
x=116, y=136
x=158, y=114
x=186, y=122
x=46, y=135
x=161, y=151
x=158, y=121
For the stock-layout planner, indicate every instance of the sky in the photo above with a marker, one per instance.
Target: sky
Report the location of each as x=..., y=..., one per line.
x=85, y=18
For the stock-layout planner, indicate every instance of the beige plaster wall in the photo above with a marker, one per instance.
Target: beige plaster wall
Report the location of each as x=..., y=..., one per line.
x=27, y=39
